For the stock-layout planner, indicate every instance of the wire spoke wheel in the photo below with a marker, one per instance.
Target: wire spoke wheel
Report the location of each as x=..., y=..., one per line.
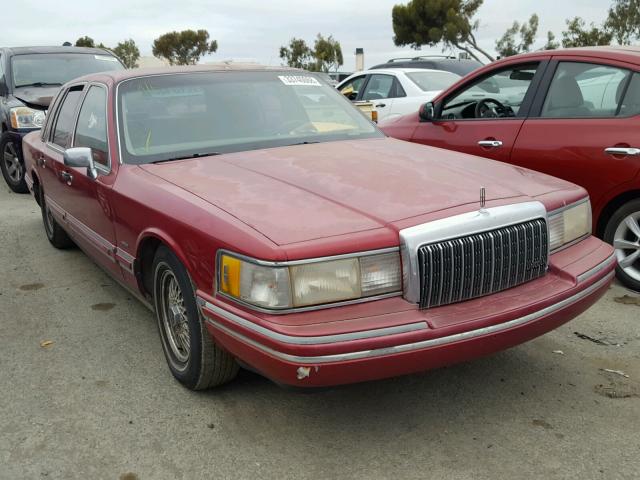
x=626, y=242
x=174, y=317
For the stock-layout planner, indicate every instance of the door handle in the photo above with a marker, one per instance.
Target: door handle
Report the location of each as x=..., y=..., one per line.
x=381, y=105
x=627, y=151
x=490, y=143
x=41, y=161
x=67, y=177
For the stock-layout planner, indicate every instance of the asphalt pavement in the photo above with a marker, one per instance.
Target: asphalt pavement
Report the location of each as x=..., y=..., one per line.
x=85, y=394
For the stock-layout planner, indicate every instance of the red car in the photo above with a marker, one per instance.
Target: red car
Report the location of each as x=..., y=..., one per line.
x=574, y=114
x=269, y=224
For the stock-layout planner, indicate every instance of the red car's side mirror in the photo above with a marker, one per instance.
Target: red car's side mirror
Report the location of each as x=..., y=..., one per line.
x=427, y=112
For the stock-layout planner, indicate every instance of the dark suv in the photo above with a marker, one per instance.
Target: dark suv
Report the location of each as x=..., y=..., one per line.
x=459, y=66
x=29, y=79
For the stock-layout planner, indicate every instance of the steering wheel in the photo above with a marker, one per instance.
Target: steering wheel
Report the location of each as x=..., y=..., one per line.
x=484, y=111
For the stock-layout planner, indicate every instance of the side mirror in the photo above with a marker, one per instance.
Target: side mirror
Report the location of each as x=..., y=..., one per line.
x=81, y=157
x=427, y=112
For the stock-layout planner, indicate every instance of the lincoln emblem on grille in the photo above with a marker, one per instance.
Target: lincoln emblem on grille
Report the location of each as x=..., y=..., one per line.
x=483, y=198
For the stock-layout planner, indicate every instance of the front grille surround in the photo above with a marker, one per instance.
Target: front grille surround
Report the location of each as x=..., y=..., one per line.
x=455, y=227
x=483, y=263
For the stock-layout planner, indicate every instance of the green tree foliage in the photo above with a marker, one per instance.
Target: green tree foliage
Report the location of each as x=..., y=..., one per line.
x=327, y=53
x=623, y=21
x=507, y=45
x=128, y=53
x=297, y=54
x=432, y=22
x=85, y=42
x=325, y=56
x=184, y=48
x=551, y=44
x=578, y=34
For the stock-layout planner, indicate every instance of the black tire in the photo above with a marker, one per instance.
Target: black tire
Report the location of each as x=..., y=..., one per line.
x=630, y=278
x=193, y=358
x=12, y=164
x=55, y=233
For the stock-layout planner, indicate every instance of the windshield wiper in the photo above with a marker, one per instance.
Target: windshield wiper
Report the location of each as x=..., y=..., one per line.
x=39, y=84
x=187, y=157
x=301, y=143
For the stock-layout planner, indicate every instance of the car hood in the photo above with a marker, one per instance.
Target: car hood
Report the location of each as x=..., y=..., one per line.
x=305, y=192
x=36, y=96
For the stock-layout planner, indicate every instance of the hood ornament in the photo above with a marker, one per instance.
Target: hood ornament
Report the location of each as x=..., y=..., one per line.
x=483, y=198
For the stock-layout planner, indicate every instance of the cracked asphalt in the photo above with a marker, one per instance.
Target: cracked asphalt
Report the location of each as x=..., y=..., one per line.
x=85, y=394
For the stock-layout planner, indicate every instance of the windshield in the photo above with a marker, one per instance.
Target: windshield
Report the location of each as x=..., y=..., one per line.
x=167, y=117
x=51, y=69
x=430, y=81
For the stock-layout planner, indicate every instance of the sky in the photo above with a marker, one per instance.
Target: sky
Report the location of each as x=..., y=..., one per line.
x=254, y=30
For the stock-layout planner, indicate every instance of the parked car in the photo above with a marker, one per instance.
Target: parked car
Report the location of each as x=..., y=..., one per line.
x=29, y=78
x=459, y=66
x=574, y=114
x=396, y=92
x=269, y=224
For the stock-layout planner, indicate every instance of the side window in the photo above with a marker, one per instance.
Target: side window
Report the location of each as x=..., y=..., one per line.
x=92, y=125
x=352, y=88
x=379, y=87
x=584, y=90
x=631, y=102
x=66, y=118
x=501, y=93
x=398, y=91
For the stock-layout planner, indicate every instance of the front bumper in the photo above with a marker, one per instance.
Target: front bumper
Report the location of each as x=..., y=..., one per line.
x=392, y=337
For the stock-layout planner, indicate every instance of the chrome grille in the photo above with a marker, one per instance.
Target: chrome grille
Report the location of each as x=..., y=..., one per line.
x=488, y=262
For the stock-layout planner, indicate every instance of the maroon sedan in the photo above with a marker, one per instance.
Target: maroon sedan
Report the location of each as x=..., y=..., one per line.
x=574, y=114
x=269, y=224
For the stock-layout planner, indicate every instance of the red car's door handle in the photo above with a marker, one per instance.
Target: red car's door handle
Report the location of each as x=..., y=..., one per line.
x=490, y=143
x=67, y=177
x=625, y=151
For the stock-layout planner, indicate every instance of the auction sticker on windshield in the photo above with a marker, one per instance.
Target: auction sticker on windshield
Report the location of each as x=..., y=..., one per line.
x=297, y=80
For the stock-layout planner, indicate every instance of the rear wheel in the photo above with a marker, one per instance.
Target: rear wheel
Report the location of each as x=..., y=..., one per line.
x=193, y=358
x=55, y=233
x=623, y=232
x=12, y=165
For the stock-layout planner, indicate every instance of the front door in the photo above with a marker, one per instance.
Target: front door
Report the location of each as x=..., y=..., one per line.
x=484, y=116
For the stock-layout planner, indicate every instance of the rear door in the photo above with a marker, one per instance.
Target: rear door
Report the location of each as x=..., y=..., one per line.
x=491, y=130
x=584, y=125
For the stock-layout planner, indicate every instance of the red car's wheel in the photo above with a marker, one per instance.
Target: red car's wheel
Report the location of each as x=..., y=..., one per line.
x=623, y=232
x=193, y=358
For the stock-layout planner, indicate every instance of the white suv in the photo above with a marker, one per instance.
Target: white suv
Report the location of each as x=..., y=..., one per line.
x=396, y=91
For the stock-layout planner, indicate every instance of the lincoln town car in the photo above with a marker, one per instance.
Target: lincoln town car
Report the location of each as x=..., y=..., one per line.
x=269, y=225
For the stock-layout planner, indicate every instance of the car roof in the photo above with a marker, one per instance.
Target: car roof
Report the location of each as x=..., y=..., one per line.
x=56, y=49
x=118, y=76
x=622, y=52
x=403, y=70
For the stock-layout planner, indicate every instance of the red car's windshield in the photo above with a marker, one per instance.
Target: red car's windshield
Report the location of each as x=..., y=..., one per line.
x=165, y=117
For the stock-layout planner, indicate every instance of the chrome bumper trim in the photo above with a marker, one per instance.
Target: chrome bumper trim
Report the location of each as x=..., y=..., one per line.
x=318, y=340
x=408, y=347
x=598, y=268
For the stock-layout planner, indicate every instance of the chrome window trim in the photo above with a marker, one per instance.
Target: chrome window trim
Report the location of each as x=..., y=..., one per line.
x=558, y=211
x=311, y=340
x=287, y=263
x=457, y=226
x=105, y=169
x=409, y=347
x=76, y=113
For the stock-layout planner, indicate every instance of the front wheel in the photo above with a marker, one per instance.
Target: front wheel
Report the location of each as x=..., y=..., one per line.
x=193, y=358
x=12, y=165
x=623, y=232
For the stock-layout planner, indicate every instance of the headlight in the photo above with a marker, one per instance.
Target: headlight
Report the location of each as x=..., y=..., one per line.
x=25, y=117
x=569, y=224
x=307, y=283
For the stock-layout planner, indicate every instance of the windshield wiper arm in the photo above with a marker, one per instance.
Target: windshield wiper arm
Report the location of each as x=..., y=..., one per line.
x=187, y=157
x=39, y=84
